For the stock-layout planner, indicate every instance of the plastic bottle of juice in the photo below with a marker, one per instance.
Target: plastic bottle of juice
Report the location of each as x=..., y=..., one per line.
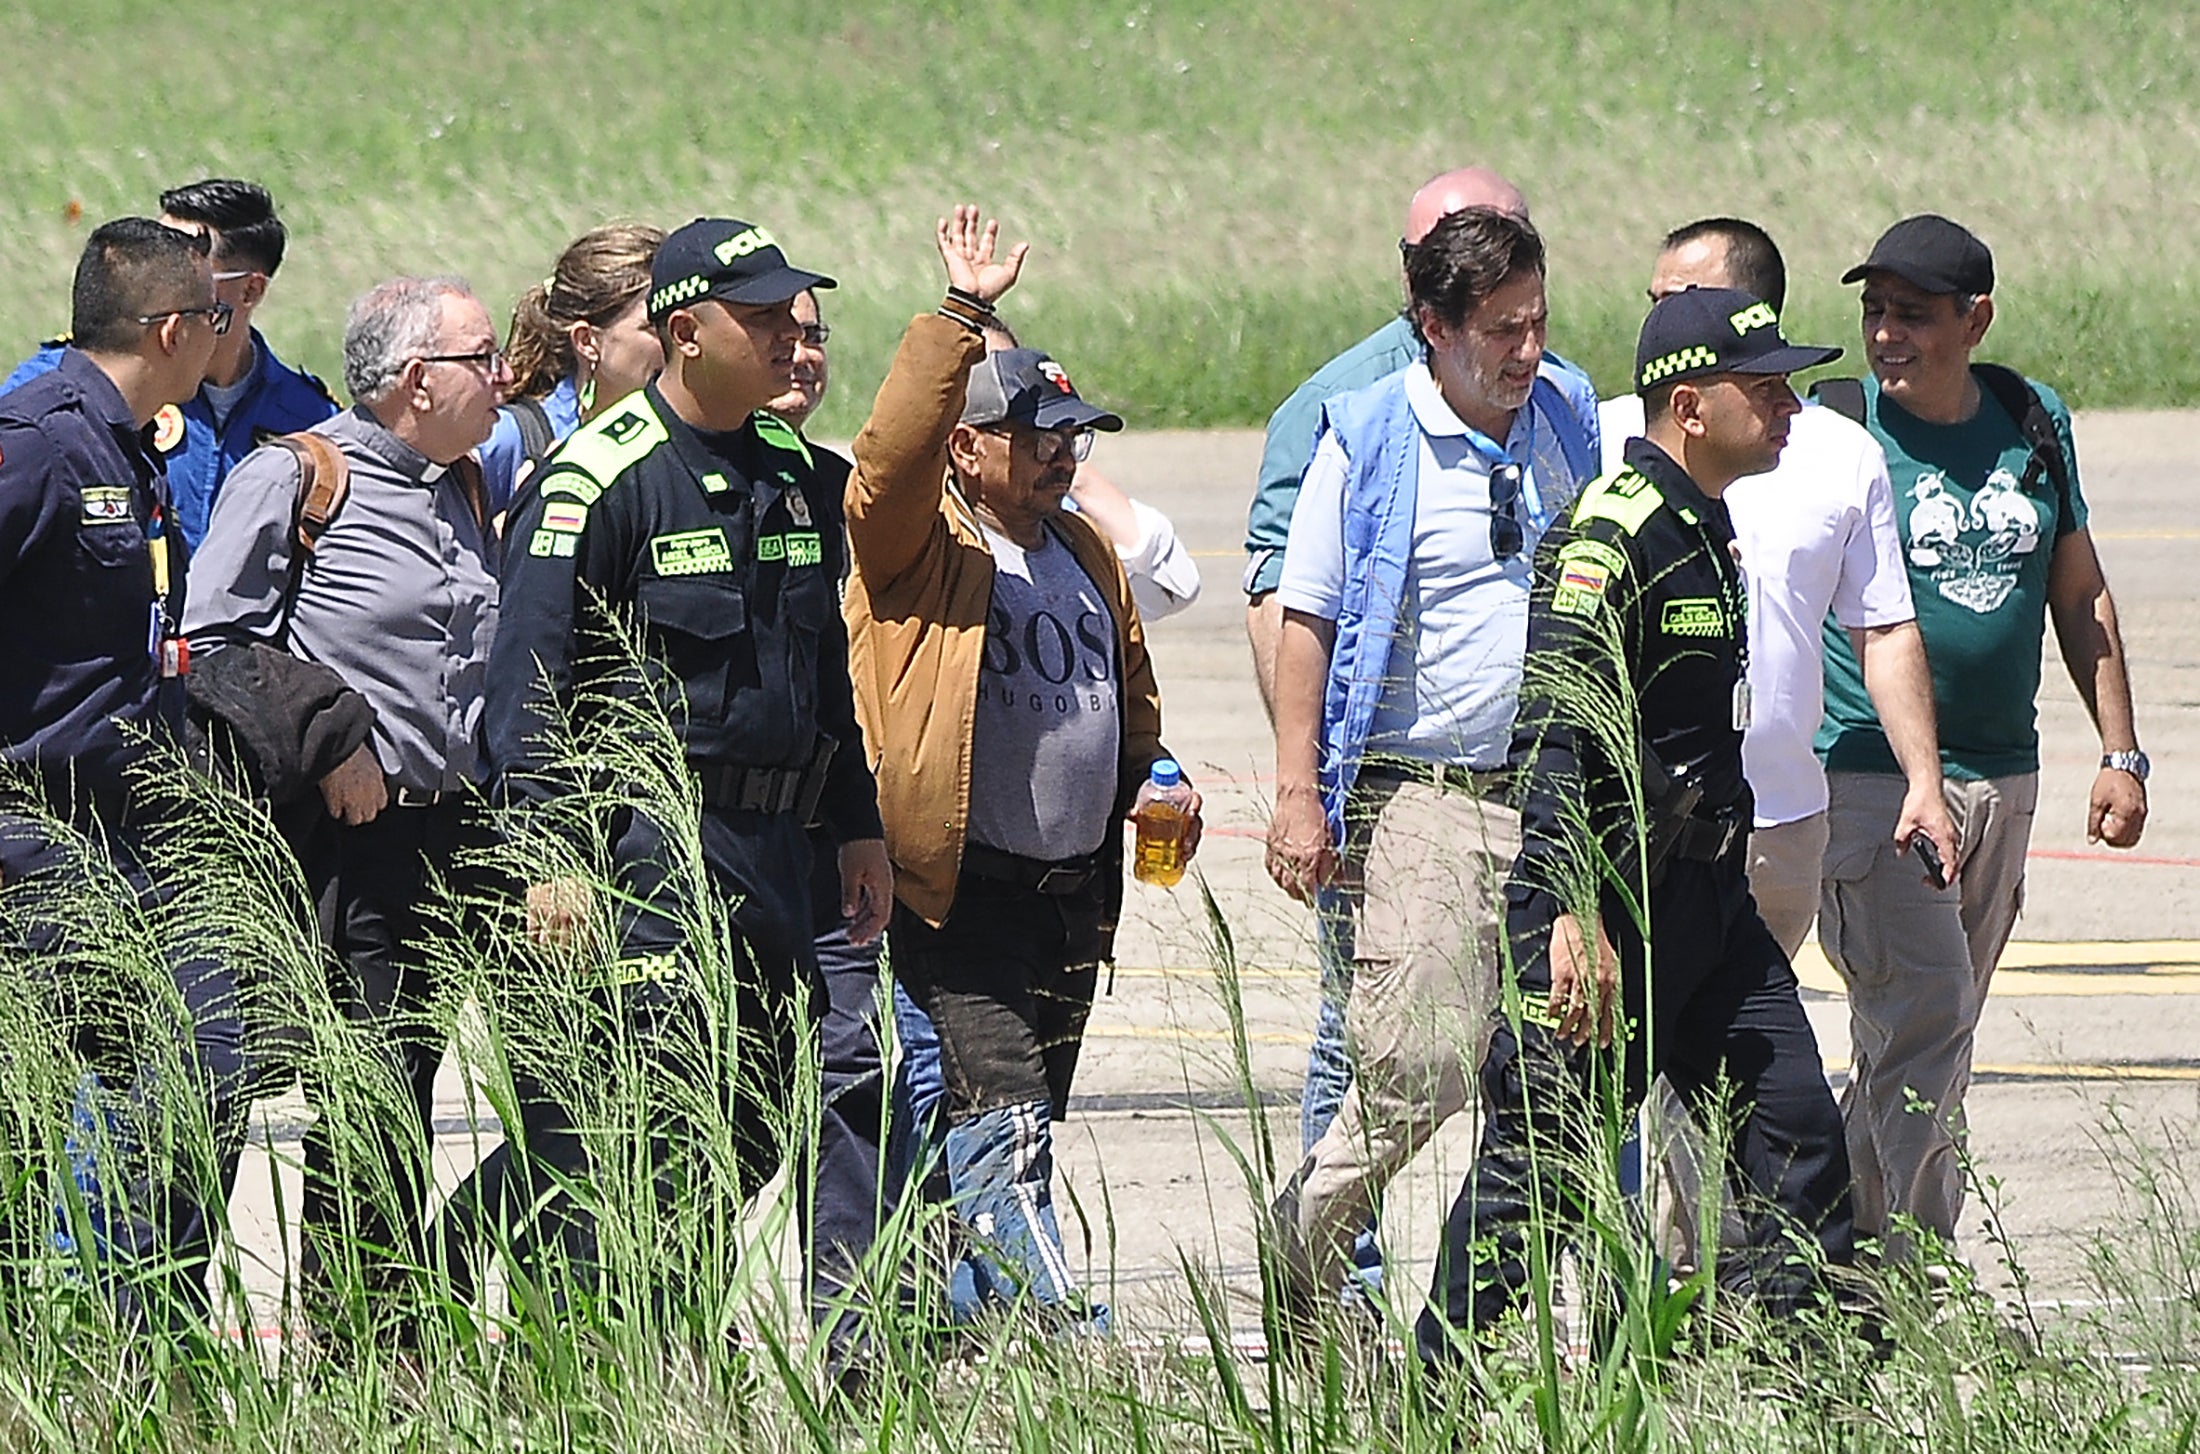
x=1159, y=856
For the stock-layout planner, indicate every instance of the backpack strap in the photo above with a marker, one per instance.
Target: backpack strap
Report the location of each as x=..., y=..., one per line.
x=324, y=482
x=474, y=486
x=536, y=438
x=1844, y=397
x=2021, y=402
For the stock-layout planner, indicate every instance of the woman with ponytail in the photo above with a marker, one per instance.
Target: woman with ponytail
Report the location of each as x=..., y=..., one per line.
x=580, y=341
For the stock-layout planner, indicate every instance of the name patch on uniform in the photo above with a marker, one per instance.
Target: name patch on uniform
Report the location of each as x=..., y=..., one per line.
x=566, y=516
x=1693, y=616
x=796, y=547
x=106, y=504
x=692, y=553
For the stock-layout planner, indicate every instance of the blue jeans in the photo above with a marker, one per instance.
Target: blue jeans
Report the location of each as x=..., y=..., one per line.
x=1329, y=1063
x=993, y=1004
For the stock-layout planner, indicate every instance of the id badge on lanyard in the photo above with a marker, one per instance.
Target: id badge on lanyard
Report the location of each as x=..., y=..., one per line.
x=1741, y=704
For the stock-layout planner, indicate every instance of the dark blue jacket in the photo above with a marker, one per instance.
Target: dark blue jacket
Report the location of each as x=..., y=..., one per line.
x=278, y=399
x=83, y=519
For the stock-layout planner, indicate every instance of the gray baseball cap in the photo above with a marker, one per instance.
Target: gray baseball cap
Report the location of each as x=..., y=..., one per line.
x=1024, y=386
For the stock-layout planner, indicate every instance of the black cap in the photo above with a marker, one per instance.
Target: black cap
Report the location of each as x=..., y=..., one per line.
x=1937, y=255
x=1701, y=331
x=1024, y=386
x=718, y=257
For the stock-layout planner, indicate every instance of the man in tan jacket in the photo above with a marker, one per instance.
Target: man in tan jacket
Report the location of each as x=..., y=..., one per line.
x=1009, y=705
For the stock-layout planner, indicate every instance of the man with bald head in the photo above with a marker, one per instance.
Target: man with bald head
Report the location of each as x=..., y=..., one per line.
x=1291, y=428
x=1290, y=448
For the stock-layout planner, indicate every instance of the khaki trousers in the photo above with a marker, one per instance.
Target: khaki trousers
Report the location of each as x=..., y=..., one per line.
x=1787, y=866
x=1917, y=962
x=1425, y=869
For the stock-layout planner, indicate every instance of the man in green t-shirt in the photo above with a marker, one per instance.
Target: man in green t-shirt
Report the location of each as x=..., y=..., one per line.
x=1994, y=533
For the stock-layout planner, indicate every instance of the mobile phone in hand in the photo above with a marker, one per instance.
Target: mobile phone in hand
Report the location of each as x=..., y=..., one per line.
x=1935, y=871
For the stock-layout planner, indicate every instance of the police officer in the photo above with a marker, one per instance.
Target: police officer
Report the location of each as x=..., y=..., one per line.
x=89, y=660
x=249, y=395
x=1636, y=674
x=708, y=524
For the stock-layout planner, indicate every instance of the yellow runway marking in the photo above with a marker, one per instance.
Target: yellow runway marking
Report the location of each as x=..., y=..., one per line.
x=2091, y=969
x=2012, y=1070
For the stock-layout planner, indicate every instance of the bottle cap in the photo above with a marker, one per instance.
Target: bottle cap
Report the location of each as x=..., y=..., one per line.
x=1166, y=774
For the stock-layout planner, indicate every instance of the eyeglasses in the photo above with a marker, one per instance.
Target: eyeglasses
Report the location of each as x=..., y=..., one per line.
x=815, y=334
x=1507, y=537
x=215, y=313
x=231, y=277
x=1049, y=445
x=488, y=360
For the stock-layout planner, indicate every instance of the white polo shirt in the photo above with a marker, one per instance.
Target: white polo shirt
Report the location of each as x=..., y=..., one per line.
x=1817, y=535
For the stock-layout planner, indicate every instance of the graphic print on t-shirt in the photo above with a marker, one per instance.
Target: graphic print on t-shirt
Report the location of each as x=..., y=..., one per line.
x=1972, y=550
x=1045, y=743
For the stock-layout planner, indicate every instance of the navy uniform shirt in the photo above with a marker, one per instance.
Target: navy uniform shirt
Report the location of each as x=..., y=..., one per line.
x=1637, y=639
x=83, y=522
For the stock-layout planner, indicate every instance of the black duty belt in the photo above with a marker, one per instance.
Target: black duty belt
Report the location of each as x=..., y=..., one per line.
x=1046, y=876
x=752, y=789
x=1445, y=777
x=1707, y=840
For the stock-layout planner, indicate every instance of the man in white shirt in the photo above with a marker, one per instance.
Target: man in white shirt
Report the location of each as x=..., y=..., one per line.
x=1817, y=535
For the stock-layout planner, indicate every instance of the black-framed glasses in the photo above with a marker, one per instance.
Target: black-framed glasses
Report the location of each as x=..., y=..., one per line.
x=216, y=313
x=815, y=334
x=1508, y=537
x=488, y=360
x=1048, y=445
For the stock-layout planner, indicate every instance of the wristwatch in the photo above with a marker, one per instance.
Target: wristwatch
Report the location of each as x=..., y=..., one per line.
x=2133, y=762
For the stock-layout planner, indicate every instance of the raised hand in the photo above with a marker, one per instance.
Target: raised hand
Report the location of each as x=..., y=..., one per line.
x=966, y=247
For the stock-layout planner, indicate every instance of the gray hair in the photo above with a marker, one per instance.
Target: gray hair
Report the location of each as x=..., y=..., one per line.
x=390, y=325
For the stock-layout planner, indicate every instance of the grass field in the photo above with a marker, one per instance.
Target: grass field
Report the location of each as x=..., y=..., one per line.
x=1212, y=191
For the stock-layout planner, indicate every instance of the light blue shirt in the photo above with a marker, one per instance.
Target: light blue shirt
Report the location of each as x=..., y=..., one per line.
x=1464, y=618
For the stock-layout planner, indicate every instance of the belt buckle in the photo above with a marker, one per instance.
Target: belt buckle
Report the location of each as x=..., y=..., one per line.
x=1060, y=878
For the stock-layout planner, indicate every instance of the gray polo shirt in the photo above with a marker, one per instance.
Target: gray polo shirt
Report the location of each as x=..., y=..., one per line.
x=399, y=599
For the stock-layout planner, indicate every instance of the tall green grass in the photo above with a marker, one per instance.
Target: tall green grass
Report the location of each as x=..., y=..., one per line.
x=1213, y=191
x=637, y=1348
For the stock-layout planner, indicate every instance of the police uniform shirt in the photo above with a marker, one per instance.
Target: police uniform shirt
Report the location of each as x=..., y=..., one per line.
x=1637, y=624
x=726, y=549
x=83, y=530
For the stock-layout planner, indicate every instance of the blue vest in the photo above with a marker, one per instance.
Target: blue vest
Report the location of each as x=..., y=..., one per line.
x=1382, y=442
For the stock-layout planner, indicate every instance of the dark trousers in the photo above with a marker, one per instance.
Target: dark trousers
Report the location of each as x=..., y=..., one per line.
x=850, y=1198
x=366, y=1154
x=1715, y=999
x=679, y=1046
x=1008, y=981
x=159, y=1119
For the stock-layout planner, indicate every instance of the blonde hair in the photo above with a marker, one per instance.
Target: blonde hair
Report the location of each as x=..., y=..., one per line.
x=598, y=277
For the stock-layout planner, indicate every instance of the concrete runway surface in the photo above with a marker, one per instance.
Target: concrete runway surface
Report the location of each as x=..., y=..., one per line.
x=2094, y=1020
